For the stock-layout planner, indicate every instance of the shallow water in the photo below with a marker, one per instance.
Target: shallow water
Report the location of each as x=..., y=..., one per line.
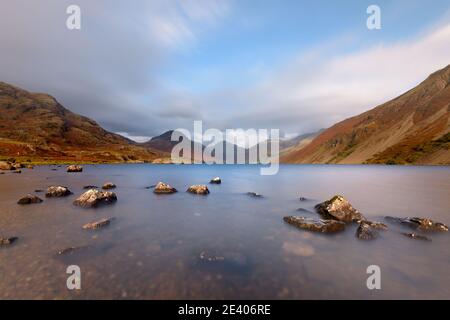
x=152, y=249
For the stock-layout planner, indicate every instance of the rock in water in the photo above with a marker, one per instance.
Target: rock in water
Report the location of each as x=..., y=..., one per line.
x=90, y=187
x=108, y=185
x=416, y=236
x=162, y=188
x=29, y=199
x=4, y=165
x=7, y=241
x=254, y=195
x=94, y=197
x=57, y=191
x=98, y=224
x=366, y=232
x=423, y=224
x=324, y=226
x=216, y=180
x=338, y=208
x=74, y=168
x=198, y=189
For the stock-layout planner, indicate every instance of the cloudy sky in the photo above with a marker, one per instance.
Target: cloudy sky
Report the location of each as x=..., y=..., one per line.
x=144, y=67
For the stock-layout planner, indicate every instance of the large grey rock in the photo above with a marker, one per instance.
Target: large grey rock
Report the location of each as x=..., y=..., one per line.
x=163, y=188
x=93, y=198
x=29, y=199
x=422, y=224
x=57, y=191
x=324, y=226
x=338, y=208
x=198, y=189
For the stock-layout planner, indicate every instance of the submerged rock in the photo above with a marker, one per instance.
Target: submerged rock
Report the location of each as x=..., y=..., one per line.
x=98, y=224
x=57, y=191
x=74, y=168
x=108, y=185
x=90, y=187
x=206, y=256
x=303, y=199
x=70, y=250
x=216, y=180
x=7, y=241
x=416, y=236
x=338, y=208
x=94, y=197
x=303, y=210
x=198, y=189
x=254, y=195
x=162, y=188
x=324, y=226
x=17, y=171
x=29, y=199
x=366, y=232
x=423, y=224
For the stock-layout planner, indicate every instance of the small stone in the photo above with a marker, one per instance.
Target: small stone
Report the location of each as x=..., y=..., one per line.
x=303, y=199
x=216, y=180
x=7, y=241
x=108, y=185
x=416, y=236
x=17, y=171
x=198, y=189
x=57, y=191
x=98, y=224
x=29, y=199
x=254, y=195
x=74, y=168
x=163, y=188
x=90, y=187
x=69, y=250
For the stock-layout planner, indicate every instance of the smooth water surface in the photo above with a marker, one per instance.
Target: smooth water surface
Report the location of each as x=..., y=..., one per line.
x=152, y=249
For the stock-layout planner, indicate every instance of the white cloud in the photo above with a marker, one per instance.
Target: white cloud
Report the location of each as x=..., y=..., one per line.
x=311, y=93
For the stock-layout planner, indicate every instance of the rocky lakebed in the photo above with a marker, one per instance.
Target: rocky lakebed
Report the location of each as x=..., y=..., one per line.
x=205, y=256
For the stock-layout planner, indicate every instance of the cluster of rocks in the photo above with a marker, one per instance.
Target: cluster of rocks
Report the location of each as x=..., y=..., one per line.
x=337, y=213
x=164, y=188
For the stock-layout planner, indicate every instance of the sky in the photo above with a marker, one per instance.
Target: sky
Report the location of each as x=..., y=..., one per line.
x=140, y=68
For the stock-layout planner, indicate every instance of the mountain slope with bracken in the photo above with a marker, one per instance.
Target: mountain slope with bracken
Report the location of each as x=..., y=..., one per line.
x=35, y=127
x=410, y=129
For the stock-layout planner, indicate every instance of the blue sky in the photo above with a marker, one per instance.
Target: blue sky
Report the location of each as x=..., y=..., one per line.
x=144, y=67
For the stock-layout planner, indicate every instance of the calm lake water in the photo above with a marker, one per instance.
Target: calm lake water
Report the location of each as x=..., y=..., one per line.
x=152, y=249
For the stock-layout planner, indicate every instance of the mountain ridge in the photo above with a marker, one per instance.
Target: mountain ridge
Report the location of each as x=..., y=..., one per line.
x=409, y=129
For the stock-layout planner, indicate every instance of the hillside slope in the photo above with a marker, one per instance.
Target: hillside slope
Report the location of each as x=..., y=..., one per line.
x=35, y=127
x=410, y=129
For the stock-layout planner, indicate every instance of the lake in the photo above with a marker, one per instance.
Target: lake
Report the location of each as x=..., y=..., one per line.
x=226, y=245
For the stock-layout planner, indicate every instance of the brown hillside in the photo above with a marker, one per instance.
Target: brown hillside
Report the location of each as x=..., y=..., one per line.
x=35, y=127
x=410, y=129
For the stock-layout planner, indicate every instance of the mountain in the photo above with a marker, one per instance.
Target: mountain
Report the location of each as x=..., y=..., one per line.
x=162, y=142
x=410, y=129
x=35, y=127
